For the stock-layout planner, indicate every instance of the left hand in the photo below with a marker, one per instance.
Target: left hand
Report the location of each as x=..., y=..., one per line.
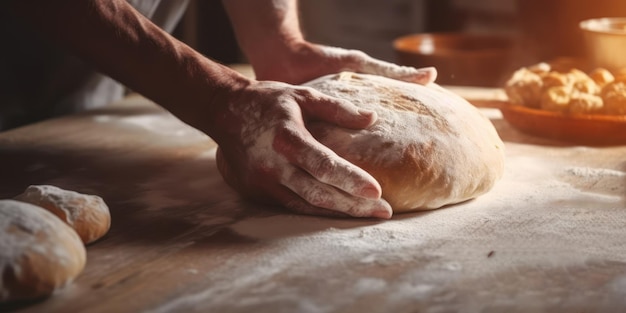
x=303, y=61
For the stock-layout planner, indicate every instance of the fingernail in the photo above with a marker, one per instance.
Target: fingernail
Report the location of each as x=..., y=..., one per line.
x=427, y=69
x=384, y=214
x=430, y=74
x=370, y=192
x=365, y=112
x=371, y=115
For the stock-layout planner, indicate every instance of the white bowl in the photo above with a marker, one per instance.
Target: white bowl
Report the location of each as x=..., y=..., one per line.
x=605, y=40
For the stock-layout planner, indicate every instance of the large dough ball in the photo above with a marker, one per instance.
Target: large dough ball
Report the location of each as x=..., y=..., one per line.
x=429, y=147
x=38, y=252
x=88, y=215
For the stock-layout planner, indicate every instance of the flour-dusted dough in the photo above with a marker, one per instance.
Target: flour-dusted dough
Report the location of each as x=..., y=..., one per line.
x=429, y=147
x=88, y=215
x=38, y=252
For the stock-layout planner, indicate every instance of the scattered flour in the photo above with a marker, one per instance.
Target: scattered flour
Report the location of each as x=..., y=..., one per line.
x=597, y=180
x=549, y=216
x=162, y=124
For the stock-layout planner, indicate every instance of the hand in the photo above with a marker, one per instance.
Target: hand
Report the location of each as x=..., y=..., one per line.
x=303, y=61
x=267, y=154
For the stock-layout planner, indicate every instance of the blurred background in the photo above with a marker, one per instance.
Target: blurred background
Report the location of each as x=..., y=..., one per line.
x=538, y=30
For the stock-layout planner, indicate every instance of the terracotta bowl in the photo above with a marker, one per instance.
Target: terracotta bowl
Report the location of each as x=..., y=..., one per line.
x=579, y=129
x=460, y=59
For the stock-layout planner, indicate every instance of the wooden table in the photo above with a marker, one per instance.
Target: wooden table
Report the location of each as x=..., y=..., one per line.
x=550, y=237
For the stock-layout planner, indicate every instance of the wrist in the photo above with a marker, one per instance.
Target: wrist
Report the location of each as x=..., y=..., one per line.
x=209, y=95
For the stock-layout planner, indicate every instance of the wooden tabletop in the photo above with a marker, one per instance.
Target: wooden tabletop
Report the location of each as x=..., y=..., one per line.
x=550, y=237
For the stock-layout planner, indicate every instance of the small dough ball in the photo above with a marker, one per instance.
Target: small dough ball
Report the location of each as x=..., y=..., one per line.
x=524, y=88
x=614, y=96
x=556, y=99
x=540, y=68
x=620, y=75
x=582, y=82
x=576, y=79
x=38, y=252
x=560, y=89
x=88, y=215
x=555, y=79
x=601, y=76
x=565, y=99
x=584, y=103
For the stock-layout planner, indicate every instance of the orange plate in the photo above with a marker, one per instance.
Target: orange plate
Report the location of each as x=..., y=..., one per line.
x=582, y=129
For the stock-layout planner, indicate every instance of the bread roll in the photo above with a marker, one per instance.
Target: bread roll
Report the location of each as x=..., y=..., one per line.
x=38, y=252
x=428, y=148
x=88, y=215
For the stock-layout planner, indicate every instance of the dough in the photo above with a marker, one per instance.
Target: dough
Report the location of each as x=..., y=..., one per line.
x=525, y=87
x=566, y=99
x=614, y=95
x=429, y=147
x=38, y=252
x=568, y=92
x=88, y=215
x=602, y=77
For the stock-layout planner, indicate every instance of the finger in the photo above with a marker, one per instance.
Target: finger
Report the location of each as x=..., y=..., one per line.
x=409, y=74
x=302, y=150
x=324, y=196
x=334, y=110
x=295, y=203
x=354, y=60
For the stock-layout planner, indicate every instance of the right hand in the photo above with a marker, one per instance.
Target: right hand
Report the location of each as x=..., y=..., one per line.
x=313, y=61
x=267, y=154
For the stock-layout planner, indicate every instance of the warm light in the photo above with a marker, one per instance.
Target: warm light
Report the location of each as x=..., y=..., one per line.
x=608, y=25
x=427, y=46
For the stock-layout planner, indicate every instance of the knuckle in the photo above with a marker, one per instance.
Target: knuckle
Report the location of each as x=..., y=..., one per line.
x=295, y=206
x=284, y=128
x=359, y=207
x=323, y=167
x=356, y=55
x=318, y=197
x=307, y=93
x=286, y=133
x=355, y=209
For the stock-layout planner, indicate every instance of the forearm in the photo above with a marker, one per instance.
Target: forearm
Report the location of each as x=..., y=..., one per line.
x=264, y=27
x=122, y=43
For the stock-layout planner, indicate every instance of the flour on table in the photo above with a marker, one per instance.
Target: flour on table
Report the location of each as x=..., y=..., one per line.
x=541, y=219
x=155, y=123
